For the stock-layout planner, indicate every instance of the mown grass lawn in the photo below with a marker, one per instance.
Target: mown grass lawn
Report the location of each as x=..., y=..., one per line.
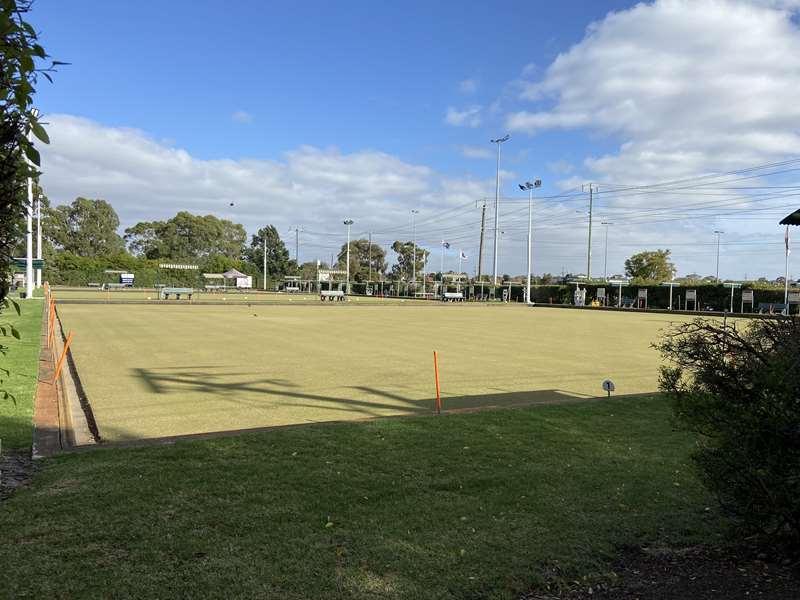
x=22, y=361
x=461, y=506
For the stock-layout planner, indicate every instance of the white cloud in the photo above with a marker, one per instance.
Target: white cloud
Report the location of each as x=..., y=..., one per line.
x=475, y=152
x=688, y=85
x=146, y=180
x=469, y=117
x=468, y=86
x=242, y=116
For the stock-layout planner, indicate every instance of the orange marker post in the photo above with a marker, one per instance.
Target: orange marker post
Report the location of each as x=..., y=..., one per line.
x=61, y=358
x=436, y=373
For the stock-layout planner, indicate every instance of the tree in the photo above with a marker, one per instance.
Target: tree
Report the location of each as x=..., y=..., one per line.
x=19, y=52
x=650, y=265
x=278, y=264
x=362, y=255
x=186, y=236
x=84, y=228
x=404, y=268
x=737, y=388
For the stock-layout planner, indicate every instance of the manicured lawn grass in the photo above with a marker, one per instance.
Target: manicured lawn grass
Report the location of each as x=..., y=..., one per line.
x=152, y=371
x=460, y=506
x=22, y=360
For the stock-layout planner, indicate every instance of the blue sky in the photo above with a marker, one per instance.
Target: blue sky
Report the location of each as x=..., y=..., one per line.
x=302, y=113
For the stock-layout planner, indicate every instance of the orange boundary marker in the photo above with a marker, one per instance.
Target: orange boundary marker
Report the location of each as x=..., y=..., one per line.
x=61, y=358
x=436, y=374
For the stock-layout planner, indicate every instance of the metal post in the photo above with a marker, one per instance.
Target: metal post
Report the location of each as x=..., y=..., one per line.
x=530, y=243
x=264, y=239
x=589, y=244
x=497, y=206
x=670, y=297
x=39, y=239
x=441, y=271
x=369, y=259
x=297, y=246
x=29, y=234
x=719, y=233
x=605, y=260
x=348, y=222
x=414, y=260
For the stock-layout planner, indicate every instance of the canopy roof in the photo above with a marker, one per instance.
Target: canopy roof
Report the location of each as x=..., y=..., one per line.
x=792, y=219
x=233, y=274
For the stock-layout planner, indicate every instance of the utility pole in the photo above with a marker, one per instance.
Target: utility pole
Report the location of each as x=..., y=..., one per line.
x=497, y=205
x=414, y=260
x=718, y=233
x=589, y=246
x=605, y=260
x=480, y=248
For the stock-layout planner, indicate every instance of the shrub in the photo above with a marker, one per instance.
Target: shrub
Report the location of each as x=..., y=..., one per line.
x=738, y=387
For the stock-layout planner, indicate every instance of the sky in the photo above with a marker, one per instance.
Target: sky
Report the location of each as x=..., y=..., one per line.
x=305, y=114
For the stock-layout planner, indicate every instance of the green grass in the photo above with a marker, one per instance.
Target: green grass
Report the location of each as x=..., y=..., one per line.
x=461, y=506
x=22, y=360
x=152, y=371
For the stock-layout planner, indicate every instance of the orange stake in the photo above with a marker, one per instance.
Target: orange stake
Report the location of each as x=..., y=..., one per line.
x=61, y=358
x=436, y=373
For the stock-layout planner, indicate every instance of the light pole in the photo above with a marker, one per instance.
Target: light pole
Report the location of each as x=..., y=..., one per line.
x=605, y=260
x=29, y=233
x=589, y=244
x=39, y=239
x=497, y=204
x=414, y=260
x=348, y=222
x=718, y=233
x=530, y=186
x=264, y=239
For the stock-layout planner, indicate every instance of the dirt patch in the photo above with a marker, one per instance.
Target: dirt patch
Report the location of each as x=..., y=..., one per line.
x=16, y=469
x=699, y=573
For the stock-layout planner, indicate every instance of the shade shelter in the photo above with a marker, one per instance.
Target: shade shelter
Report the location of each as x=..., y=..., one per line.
x=242, y=280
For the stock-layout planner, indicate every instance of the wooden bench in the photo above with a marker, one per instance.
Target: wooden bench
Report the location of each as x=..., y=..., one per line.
x=165, y=292
x=331, y=295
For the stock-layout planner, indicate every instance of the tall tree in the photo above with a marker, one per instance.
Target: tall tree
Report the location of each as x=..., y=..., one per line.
x=84, y=228
x=278, y=263
x=651, y=265
x=404, y=268
x=186, y=236
x=361, y=257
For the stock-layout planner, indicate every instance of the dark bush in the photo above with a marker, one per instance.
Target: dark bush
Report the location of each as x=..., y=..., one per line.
x=738, y=387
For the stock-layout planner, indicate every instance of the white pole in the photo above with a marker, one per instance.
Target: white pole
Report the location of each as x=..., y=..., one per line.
x=530, y=243
x=786, y=273
x=29, y=235
x=264, y=239
x=496, y=212
x=459, y=263
x=414, y=260
x=39, y=239
x=670, y=293
x=348, y=256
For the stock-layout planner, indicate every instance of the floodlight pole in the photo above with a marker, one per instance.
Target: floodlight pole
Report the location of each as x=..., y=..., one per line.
x=718, y=233
x=348, y=222
x=497, y=205
x=264, y=239
x=530, y=186
x=369, y=258
x=414, y=260
x=39, y=238
x=29, y=231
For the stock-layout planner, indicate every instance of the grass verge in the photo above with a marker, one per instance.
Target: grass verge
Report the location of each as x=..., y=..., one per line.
x=22, y=360
x=465, y=506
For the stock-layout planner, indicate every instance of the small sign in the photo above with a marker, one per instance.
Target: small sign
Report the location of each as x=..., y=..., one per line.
x=608, y=386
